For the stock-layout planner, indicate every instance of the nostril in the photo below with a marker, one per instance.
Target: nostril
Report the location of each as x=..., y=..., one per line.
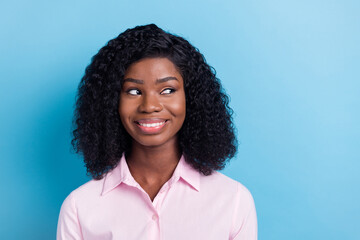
x=150, y=106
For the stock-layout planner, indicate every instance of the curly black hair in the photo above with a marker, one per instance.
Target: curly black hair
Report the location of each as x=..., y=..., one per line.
x=207, y=137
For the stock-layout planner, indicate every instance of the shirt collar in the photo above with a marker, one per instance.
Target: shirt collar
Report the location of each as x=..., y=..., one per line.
x=121, y=174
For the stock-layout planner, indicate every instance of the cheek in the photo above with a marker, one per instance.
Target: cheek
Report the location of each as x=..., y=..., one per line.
x=124, y=110
x=178, y=107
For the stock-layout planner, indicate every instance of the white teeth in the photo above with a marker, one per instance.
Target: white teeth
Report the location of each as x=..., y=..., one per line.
x=152, y=124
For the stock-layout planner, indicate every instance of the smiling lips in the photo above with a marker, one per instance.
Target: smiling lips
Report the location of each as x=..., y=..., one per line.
x=150, y=126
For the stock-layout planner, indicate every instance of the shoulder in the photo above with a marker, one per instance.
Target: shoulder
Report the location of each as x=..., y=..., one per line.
x=89, y=190
x=226, y=191
x=224, y=184
x=238, y=200
x=73, y=206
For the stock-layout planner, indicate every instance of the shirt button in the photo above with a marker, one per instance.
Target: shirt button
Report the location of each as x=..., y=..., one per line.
x=154, y=217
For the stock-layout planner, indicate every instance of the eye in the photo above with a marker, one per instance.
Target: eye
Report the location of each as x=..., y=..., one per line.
x=133, y=92
x=168, y=91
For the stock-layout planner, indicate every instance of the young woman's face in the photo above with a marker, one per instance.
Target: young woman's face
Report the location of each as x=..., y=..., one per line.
x=152, y=102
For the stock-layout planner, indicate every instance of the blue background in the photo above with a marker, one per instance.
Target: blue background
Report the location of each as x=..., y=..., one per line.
x=290, y=67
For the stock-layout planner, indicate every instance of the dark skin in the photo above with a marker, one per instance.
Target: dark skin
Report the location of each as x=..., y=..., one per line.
x=152, y=109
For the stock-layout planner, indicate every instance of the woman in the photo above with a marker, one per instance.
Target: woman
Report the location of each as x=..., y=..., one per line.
x=153, y=125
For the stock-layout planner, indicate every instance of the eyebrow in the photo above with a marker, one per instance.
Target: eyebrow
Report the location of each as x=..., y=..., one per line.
x=160, y=80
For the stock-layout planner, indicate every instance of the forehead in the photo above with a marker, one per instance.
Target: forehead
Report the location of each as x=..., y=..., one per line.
x=152, y=69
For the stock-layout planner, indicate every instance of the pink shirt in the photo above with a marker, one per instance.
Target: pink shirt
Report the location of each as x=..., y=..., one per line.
x=189, y=206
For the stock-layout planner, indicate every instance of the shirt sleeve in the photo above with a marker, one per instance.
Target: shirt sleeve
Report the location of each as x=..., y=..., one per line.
x=68, y=227
x=244, y=219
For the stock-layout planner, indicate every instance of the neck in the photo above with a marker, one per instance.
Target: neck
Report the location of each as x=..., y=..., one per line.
x=150, y=164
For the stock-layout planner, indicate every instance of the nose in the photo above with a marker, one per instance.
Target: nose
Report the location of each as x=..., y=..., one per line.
x=150, y=103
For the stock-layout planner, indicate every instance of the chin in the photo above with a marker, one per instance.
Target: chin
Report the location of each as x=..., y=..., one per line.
x=153, y=141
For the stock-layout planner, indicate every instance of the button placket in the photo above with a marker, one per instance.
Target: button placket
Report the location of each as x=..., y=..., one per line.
x=159, y=198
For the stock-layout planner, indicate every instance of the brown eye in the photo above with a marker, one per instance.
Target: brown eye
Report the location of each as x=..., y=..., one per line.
x=168, y=91
x=134, y=92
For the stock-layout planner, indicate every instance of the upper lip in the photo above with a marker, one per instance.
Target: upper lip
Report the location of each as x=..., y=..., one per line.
x=151, y=120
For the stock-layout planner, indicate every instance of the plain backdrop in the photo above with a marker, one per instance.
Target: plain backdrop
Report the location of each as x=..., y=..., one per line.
x=291, y=69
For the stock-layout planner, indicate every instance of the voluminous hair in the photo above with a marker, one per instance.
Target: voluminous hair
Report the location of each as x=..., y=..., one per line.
x=207, y=137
